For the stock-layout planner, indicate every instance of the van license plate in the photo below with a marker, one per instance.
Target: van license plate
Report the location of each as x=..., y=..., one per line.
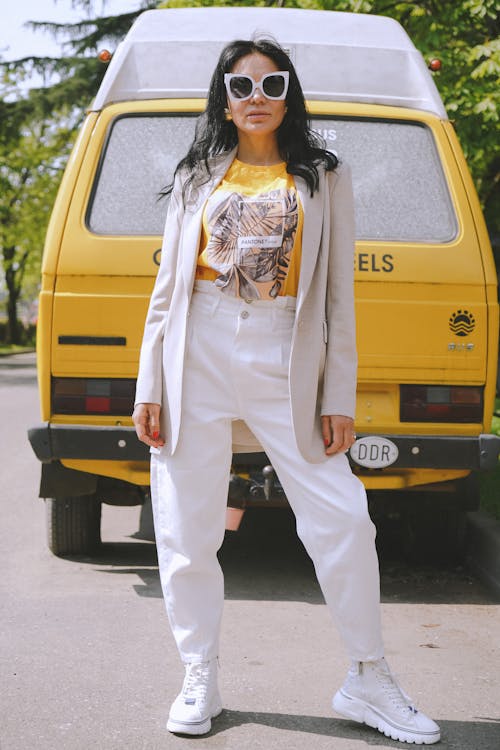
x=374, y=452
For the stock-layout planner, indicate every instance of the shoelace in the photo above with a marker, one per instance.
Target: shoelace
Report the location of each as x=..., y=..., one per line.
x=196, y=681
x=396, y=695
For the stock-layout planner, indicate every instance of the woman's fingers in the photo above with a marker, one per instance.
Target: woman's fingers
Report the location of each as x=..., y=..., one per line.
x=326, y=431
x=338, y=433
x=146, y=418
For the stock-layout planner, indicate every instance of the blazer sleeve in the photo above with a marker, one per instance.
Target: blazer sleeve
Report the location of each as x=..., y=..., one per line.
x=150, y=376
x=339, y=385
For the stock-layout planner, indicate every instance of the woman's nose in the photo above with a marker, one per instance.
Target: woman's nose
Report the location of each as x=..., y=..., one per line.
x=258, y=95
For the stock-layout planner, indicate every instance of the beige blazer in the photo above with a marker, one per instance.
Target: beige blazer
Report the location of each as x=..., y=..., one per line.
x=323, y=361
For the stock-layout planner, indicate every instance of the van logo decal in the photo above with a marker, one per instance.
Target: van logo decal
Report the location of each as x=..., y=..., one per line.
x=462, y=323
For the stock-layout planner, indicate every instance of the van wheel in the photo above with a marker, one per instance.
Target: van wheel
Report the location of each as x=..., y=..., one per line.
x=73, y=524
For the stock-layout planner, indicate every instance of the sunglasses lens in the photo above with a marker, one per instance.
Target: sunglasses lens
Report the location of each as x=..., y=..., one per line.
x=240, y=86
x=274, y=86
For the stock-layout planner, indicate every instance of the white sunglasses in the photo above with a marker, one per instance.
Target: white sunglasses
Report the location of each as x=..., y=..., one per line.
x=240, y=86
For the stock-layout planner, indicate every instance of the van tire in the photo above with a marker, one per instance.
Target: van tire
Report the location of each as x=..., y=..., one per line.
x=73, y=524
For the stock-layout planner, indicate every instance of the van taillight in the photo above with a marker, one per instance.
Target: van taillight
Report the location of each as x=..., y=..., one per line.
x=93, y=396
x=441, y=403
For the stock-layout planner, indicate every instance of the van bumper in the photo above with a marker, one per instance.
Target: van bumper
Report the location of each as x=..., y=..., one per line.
x=477, y=453
x=54, y=442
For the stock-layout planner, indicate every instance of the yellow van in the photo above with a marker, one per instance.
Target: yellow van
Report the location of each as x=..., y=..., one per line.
x=425, y=278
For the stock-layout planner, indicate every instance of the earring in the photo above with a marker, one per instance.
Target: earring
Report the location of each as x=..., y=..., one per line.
x=227, y=114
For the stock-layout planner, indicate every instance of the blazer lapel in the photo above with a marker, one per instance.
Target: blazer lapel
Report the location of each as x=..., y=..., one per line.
x=311, y=232
x=190, y=240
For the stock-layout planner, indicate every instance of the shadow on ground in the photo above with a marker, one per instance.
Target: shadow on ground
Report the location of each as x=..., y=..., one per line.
x=482, y=734
x=265, y=560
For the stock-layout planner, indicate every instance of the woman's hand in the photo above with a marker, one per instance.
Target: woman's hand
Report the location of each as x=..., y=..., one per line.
x=146, y=418
x=338, y=433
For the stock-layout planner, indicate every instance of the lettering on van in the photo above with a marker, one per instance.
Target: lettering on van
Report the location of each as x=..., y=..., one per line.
x=373, y=262
x=329, y=134
x=374, y=452
x=157, y=256
x=452, y=347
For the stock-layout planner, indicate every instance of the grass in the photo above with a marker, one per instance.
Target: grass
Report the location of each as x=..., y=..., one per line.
x=490, y=492
x=6, y=349
x=495, y=425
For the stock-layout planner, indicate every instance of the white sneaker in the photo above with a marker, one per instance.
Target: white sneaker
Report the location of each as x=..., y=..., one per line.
x=371, y=695
x=198, y=702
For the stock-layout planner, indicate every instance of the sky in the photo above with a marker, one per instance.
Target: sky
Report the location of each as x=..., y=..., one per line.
x=17, y=42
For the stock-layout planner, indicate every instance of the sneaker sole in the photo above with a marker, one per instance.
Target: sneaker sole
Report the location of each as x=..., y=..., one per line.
x=361, y=712
x=194, y=728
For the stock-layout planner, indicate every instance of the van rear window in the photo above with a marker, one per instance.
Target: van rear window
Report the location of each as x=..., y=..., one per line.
x=400, y=188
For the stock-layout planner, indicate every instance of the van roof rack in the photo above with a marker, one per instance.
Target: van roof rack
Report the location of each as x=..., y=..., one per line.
x=345, y=57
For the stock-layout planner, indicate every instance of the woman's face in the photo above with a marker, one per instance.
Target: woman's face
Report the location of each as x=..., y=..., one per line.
x=257, y=116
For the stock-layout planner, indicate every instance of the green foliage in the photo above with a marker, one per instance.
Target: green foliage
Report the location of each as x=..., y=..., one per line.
x=495, y=422
x=489, y=483
x=464, y=35
x=31, y=162
x=37, y=128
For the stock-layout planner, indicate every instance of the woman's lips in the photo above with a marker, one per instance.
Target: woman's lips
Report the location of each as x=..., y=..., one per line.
x=257, y=114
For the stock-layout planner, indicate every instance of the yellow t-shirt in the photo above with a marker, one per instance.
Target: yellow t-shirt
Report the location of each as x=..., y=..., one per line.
x=251, y=238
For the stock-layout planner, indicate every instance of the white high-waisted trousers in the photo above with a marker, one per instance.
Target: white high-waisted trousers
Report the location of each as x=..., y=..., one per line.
x=237, y=357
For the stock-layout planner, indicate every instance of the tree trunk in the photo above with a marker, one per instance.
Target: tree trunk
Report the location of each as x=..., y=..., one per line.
x=13, y=331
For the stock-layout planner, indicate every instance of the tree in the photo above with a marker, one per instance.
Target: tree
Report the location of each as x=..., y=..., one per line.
x=465, y=36
x=37, y=129
x=31, y=164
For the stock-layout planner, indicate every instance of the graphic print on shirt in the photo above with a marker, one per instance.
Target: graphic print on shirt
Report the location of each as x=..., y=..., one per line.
x=251, y=242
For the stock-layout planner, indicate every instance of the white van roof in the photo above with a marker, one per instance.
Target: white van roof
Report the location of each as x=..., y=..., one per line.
x=351, y=57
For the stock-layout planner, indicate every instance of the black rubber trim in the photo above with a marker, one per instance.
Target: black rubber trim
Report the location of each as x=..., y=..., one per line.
x=93, y=340
x=52, y=442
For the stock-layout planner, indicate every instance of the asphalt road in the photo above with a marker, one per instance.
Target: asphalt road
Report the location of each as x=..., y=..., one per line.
x=87, y=659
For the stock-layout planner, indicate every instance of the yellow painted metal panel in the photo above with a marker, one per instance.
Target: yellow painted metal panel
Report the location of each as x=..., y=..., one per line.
x=406, y=293
x=401, y=480
x=377, y=411
x=136, y=472
x=43, y=350
x=118, y=314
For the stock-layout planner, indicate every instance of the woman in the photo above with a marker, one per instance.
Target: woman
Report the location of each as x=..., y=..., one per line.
x=252, y=318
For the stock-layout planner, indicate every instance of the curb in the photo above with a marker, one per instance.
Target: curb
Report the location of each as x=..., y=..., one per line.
x=482, y=551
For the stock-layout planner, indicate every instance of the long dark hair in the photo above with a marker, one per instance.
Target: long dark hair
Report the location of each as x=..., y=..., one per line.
x=300, y=147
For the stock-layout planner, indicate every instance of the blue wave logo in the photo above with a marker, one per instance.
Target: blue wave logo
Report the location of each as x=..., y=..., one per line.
x=462, y=323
